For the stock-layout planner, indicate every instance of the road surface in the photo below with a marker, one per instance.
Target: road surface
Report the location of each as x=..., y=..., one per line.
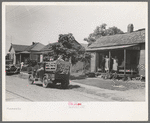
x=18, y=89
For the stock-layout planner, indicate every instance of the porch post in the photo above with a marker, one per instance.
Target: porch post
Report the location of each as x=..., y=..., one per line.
x=30, y=56
x=95, y=62
x=14, y=61
x=124, y=62
x=20, y=58
x=109, y=59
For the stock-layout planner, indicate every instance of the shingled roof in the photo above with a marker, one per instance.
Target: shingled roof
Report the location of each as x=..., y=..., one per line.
x=84, y=45
x=120, y=39
x=35, y=47
x=18, y=48
x=48, y=47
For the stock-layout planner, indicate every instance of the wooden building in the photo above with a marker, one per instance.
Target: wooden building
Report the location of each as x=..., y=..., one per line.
x=20, y=53
x=14, y=52
x=128, y=47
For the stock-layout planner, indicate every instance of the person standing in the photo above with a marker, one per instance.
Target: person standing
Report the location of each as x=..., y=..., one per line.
x=21, y=65
x=106, y=63
x=60, y=58
x=115, y=64
x=40, y=71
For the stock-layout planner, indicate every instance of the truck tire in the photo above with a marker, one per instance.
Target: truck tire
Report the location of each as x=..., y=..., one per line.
x=54, y=83
x=30, y=79
x=65, y=82
x=45, y=82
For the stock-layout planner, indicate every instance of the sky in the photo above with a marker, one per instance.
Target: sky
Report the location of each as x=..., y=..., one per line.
x=43, y=23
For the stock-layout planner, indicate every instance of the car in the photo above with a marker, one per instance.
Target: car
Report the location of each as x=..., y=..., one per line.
x=12, y=69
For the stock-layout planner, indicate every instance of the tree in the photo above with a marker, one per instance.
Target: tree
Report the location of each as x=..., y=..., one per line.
x=102, y=31
x=68, y=47
x=86, y=59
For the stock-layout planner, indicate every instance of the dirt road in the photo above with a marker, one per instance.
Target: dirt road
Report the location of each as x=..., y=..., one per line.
x=18, y=89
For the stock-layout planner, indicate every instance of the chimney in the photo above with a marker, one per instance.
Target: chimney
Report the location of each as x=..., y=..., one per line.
x=130, y=28
x=33, y=43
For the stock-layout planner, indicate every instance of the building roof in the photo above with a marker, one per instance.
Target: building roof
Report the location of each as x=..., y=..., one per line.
x=120, y=39
x=114, y=47
x=25, y=52
x=35, y=47
x=84, y=45
x=18, y=48
x=48, y=47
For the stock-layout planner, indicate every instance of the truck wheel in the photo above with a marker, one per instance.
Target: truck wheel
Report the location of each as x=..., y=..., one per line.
x=45, y=82
x=54, y=83
x=30, y=79
x=65, y=83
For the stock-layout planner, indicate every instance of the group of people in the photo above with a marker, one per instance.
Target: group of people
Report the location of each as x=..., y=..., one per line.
x=109, y=64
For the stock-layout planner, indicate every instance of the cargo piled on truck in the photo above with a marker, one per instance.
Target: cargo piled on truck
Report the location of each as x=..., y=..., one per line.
x=51, y=72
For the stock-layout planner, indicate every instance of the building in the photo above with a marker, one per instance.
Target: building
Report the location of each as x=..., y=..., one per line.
x=128, y=47
x=20, y=53
x=14, y=52
x=33, y=52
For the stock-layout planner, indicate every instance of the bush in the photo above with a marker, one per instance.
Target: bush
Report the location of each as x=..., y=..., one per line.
x=24, y=68
x=29, y=69
x=90, y=74
x=32, y=62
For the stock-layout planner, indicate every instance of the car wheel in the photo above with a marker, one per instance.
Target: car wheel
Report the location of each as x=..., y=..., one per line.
x=30, y=79
x=45, y=82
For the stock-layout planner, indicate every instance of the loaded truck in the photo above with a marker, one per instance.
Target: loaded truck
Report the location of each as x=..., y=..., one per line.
x=52, y=72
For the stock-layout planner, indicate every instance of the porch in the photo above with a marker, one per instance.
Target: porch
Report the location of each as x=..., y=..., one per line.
x=22, y=57
x=128, y=59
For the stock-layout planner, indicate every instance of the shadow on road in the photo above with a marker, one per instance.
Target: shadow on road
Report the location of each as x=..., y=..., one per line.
x=58, y=86
x=11, y=74
x=72, y=77
x=39, y=85
x=73, y=86
x=49, y=86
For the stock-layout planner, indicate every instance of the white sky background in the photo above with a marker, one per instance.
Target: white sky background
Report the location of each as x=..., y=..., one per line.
x=26, y=24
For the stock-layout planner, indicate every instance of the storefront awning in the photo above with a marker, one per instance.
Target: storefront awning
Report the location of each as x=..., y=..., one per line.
x=115, y=47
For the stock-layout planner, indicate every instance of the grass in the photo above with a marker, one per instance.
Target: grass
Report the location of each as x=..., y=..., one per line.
x=80, y=77
x=77, y=75
x=111, y=85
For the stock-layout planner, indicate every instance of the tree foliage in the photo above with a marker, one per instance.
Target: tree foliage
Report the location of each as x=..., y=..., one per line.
x=68, y=47
x=102, y=31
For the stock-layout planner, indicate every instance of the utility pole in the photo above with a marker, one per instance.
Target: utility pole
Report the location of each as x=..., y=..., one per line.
x=11, y=39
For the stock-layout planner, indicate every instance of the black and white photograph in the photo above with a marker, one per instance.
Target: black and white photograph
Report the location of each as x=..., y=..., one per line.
x=75, y=61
